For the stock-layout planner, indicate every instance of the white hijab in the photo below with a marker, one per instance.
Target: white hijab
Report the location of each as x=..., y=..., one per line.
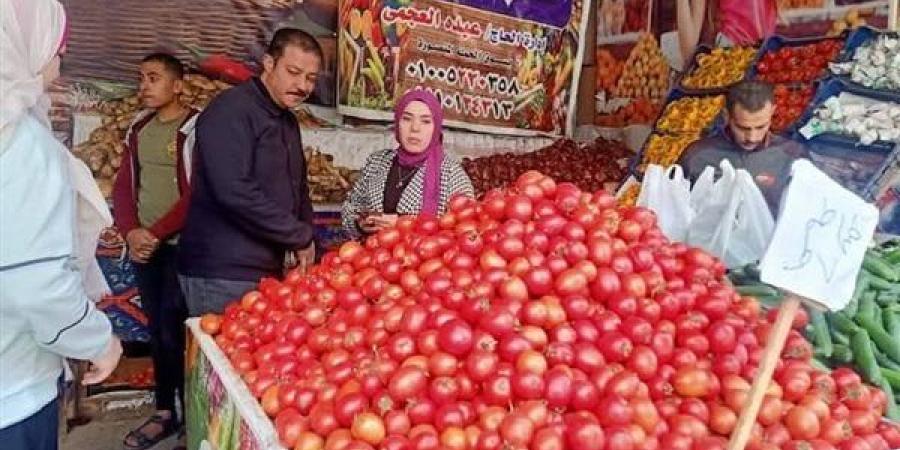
x=32, y=33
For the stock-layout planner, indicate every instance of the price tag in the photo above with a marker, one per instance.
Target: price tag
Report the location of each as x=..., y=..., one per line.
x=820, y=238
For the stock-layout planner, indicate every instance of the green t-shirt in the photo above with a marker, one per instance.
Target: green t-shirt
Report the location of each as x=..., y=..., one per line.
x=158, y=187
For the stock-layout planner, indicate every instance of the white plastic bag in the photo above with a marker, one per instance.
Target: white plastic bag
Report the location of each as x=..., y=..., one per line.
x=732, y=219
x=668, y=193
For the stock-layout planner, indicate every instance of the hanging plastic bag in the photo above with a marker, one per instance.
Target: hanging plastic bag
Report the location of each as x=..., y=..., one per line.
x=668, y=193
x=732, y=219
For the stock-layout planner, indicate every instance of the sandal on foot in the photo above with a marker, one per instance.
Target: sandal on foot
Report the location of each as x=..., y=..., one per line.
x=169, y=427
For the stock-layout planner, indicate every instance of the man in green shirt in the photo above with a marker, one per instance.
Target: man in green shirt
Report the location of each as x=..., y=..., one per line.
x=150, y=200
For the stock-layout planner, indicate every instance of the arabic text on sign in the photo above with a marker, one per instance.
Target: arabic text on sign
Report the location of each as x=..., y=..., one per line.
x=411, y=17
x=475, y=105
x=820, y=238
x=464, y=78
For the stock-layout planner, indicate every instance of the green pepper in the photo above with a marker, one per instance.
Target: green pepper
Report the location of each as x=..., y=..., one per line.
x=882, y=339
x=821, y=334
x=878, y=266
x=864, y=357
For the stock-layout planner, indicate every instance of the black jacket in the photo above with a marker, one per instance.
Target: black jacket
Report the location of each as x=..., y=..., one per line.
x=250, y=201
x=772, y=162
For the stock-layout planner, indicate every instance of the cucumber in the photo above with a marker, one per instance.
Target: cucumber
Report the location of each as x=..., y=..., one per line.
x=842, y=354
x=892, y=256
x=839, y=338
x=891, y=320
x=862, y=284
x=864, y=357
x=893, y=410
x=757, y=290
x=884, y=361
x=880, y=337
x=878, y=266
x=841, y=322
x=867, y=305
x=892, y=376
x=887, y=298
x=881, y=284
x=821, y=334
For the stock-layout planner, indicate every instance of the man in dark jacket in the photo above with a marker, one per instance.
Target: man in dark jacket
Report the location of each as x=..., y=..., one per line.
x=250, y=210
x=747, y=142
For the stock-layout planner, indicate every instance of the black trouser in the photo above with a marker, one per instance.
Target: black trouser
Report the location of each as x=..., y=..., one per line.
x=166, y=311
x=40, y=431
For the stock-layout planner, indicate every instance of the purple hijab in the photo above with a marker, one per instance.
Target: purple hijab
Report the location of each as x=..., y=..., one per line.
x=433, y=156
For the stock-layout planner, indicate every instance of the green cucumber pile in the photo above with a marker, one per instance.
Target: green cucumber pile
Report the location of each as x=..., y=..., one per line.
x=866, y=334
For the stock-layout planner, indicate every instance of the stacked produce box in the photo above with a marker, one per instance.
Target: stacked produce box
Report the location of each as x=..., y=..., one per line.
x=540, y=317
x=632, y=88
x=848, y=116
x=693, y=109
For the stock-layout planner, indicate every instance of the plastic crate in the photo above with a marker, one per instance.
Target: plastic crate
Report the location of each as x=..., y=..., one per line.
x=856, y=39
x=855, y=167
x=674, y=95
x=834, y=86
x=775, y=43
x=677, y=94
x=703, y=49
x=793, y=87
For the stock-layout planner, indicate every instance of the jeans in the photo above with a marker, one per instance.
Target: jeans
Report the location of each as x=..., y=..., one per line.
x=211, y=295
x=38, y=432
x=164, y=304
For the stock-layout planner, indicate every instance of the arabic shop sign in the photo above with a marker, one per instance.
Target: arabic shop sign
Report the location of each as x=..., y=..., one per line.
x=492, y=72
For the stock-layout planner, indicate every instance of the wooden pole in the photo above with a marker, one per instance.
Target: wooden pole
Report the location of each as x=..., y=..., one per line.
x=770, y=357
x=893, y=15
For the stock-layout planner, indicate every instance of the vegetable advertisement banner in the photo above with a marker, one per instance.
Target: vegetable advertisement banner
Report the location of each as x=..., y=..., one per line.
x=498, y=66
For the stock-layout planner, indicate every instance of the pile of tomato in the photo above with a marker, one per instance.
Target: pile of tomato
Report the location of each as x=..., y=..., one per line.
x=540, y=318
x=804, y=63
x=790, y=102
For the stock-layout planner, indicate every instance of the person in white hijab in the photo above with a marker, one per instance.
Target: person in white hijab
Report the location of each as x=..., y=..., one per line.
x=51, y=214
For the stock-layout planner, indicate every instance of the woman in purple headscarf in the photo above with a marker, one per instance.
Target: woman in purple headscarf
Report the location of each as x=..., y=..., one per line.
x=415, y=178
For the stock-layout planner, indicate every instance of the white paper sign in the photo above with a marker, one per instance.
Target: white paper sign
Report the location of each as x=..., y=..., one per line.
x=820, y=238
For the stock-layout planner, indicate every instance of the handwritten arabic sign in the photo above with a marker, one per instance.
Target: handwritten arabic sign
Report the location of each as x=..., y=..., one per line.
x=492, y=72
x=820, y=238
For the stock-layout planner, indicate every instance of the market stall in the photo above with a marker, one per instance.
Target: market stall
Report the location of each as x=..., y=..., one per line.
x=369, y=351
x=546, y=314
x=810, y=76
